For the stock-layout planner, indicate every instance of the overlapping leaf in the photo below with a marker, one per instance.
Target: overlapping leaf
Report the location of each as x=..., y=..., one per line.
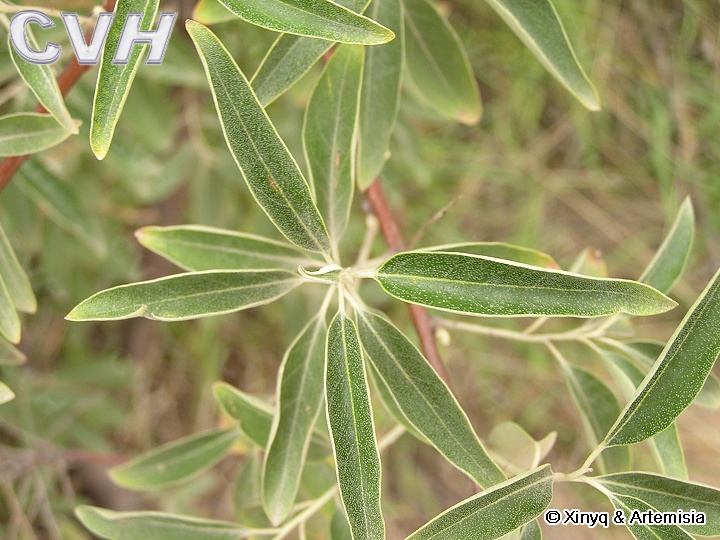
x=438, y=64
x=314, y=18
x=13, y=276
x=352, y=430
x=42, y=83
x=156, y=526
x=329, y=136
x=175, y=462
x=380, y=98
x=501, y=250
x=300, y=396
x=291, y=57
x=6, y=394
x=486, y=286
x=199, y=248
x=669, y=262
x=211, y=12
x=495, y=511
x=9, y=320
x=425, y=399
x=187, y=296
x=669, y=495
x=270, y=171
x=115, y=80
x=677, y=376
x=639, y=530
x=537, y=24
x=29, y=133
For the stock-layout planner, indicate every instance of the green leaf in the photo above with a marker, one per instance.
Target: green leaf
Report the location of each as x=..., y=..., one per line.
x=270, y=171
x=380, y=97
x=198, y=248
x=175, y=462
x=689, y=357
x=665, y=446
x=254, y=416
x=314, y=18
x=516, y=447
x=531, y=531
x=494, y=512
x=598, y=409
x=29, y=133
x=646, y=352
x=391, y=404
x=156, y=526
x=5, y=393
x=12, y=275
x=425, y=399
x=187, y=296
x=10, y=355
x=247, y=488
x=629, y=505
x=538, y=26
x=329, y=136
x=486, y=286
x=438, y=64
x=115, y=80
x=291, y=57
x=671, y=258
x=211, y=12
x=669, y=495
x=339, y=526
x=42, y=83
x=500, y=250
x=9, y=320
x=58, y=202
x=352, y=430
x=300, y=395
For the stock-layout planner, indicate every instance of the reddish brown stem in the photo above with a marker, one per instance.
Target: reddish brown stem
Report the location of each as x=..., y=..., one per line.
x=66, y=80
x=394, y=239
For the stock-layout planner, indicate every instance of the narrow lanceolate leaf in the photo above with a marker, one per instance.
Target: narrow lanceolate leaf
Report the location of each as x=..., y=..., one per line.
x=211, y=12
x=175, y=462
x=270, y=171
x=255, y=417
x=9, y=320
x=537, y=24
x=438, y=64
x=481, y=285
x=5, y=393
x=199, y=248
x=352, y=431
x=688, y=357
x=425, y=399
x=115, y=80
x=314, y=18
x=29, y=133
x=391, y=404
x=300, y=385
x=598, y=408
x=58, y=202
x=646, y=352
x=665, y=446
x=14, y=278
x=291, y=57
x=669, y=262
x=42, y=83
x=380, y=98
x=156, y=526
x=187, y=296
x=495, y=511
x=329, y=133
x=633, y=509
x=669, y=495
x=500, y=250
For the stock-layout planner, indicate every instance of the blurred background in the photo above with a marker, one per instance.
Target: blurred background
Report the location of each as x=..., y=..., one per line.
x=538, y=171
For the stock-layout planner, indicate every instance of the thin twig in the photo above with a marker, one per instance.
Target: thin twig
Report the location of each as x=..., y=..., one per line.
x=66, y=80
x=394, y=239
